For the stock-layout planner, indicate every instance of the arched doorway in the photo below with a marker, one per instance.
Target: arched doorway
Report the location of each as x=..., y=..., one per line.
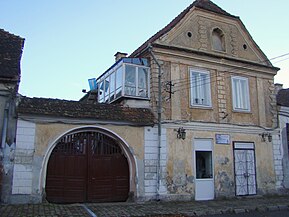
x=88, y=166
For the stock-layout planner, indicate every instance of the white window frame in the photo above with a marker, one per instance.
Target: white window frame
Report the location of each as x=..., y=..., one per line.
x=200, y=93
x=241, y=100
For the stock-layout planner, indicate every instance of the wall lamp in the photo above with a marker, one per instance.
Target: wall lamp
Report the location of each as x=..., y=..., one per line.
x=264, y=135
x=181, y=133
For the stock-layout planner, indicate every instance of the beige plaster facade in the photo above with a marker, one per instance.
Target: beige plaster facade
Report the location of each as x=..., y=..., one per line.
x=189, y=45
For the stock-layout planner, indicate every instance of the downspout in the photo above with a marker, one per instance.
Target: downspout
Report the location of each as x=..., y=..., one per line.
x=5, y=124
x=159, y=111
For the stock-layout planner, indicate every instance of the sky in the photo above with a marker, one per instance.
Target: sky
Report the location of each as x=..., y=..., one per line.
x=69, y=41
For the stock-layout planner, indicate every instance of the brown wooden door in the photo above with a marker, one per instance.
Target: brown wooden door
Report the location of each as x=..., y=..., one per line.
x=87, y=167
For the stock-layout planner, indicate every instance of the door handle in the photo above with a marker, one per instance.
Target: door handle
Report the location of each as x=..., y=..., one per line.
x=246, y=175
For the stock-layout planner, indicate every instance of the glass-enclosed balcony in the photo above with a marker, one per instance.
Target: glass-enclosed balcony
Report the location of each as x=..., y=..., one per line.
x=128, y=77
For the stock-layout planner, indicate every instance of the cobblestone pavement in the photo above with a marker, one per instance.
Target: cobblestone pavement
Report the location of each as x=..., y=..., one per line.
x=153, y=209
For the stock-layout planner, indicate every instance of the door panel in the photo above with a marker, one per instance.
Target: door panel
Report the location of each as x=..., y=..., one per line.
x=204, y=173
x=65, y=180
x=245, y=172
x=87, y=167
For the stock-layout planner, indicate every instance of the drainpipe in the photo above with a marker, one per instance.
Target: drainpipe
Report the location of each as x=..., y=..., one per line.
x=159, y=110
x=5, y=124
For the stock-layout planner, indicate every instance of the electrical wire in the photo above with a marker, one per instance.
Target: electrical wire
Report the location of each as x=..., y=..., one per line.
x=211, y=79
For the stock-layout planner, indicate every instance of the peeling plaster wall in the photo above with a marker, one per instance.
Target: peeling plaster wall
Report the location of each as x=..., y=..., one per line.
x=181, y=164
x=180, y=173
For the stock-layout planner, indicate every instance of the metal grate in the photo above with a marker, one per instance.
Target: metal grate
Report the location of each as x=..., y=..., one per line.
x=104, y=145
x=73, y=144
x=76, y=144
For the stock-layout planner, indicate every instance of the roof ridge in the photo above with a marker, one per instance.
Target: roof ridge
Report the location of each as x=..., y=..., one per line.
x=11, y=34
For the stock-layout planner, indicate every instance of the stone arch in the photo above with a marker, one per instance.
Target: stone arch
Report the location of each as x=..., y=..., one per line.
x=128, y=152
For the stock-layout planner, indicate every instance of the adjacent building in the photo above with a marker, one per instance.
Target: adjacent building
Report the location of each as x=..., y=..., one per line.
x=281, y=140
x=10, y=55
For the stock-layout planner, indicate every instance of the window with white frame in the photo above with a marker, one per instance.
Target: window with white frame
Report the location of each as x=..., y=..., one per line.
x=200, y=88
x=240, y=93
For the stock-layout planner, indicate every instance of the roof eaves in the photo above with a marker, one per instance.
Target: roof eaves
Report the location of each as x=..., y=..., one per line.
x=42, y=118
x=182, y=49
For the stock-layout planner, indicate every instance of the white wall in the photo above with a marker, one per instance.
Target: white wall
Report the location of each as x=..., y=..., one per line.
x=151, y=162
x=22, y=173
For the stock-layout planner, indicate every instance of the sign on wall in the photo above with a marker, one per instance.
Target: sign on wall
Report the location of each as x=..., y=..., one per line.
x=223, y=139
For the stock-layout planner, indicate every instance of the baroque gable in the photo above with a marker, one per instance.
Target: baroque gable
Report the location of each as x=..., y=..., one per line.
x=195, y=32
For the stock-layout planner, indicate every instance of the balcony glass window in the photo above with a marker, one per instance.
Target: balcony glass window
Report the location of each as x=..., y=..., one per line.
x=130, y=80
x=142, y=82
x=118, y=82
x=112, y=87
x=106, y=89
x=100, y=92
x=129, y=77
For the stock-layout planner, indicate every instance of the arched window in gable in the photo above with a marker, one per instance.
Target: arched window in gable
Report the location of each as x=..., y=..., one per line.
x=218, y=40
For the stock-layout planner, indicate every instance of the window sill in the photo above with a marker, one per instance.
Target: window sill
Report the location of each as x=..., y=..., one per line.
x=220, y=51
x=201, y=107
x=242, y=111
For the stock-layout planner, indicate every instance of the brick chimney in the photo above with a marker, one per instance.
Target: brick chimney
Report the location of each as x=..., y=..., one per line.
x=119, y=55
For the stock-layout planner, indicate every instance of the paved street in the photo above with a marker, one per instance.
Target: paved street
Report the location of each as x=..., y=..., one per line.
x=247, y=207
x=283, y=213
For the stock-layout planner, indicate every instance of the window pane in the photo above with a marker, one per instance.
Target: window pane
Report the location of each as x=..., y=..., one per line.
x=130, y=80
x=200, y=88
x=112, y=86
x=194, y=87
x=237, y=93
x=119, y=81
x=240, y=94
x=106, y=89
x=101, y=93
x=243, y=95
x=204, y=164
x=203, y=89
x=142, y=82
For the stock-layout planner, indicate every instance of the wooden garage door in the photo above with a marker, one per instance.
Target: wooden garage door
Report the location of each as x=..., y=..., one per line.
x=87, y=167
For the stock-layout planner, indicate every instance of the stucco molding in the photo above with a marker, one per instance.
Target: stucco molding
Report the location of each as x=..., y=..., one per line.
x=214, y=127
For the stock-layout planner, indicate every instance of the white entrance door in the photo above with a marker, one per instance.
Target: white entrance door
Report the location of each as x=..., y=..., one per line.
x=204, y=172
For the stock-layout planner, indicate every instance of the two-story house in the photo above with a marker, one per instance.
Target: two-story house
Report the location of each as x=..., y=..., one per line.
x=10, y=55
x=211, y=89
